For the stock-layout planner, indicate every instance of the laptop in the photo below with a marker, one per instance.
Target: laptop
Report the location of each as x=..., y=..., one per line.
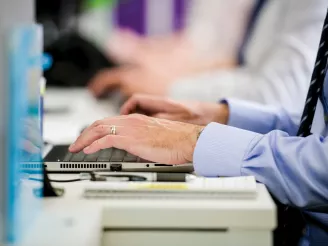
x=58, y=159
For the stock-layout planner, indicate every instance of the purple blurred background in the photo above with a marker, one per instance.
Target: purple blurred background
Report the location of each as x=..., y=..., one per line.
x=141, y=16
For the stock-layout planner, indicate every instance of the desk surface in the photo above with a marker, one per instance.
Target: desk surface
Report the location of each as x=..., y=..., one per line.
x=80, y=221
x=233, y=208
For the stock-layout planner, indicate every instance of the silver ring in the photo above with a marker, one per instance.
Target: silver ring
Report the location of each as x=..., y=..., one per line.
x=113, y=130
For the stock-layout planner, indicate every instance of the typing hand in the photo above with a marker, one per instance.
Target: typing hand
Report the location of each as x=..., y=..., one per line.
x=190, y=112
x=130, y=80
x=105, y=81
x=156, y=140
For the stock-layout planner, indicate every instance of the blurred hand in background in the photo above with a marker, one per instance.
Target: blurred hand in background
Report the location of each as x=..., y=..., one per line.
x=150, y=65
x=210, y=40
x=198, y=113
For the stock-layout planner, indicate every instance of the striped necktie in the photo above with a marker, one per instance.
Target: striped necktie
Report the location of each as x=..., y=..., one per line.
x=316, y=85
x=290, y=220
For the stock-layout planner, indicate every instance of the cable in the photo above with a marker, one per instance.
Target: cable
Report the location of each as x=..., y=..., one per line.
x=92, y=176
x=58, y=181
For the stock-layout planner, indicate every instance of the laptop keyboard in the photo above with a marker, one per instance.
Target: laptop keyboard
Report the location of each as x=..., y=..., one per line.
x=61, y=154
x=105, y=155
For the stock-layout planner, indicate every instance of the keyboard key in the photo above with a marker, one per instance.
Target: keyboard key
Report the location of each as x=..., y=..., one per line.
x=78, y=157
x=68, y=157
x=92, y=157
x=104, y=155
x=130, y=158
x=118, y=155
x=129, y=154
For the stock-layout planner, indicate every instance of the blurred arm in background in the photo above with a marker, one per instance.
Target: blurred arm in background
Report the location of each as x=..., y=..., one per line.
x=278, y=62
x=211, y=39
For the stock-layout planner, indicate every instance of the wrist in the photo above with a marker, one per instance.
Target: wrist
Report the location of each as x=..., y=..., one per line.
x=222, y=113
x=197, y=131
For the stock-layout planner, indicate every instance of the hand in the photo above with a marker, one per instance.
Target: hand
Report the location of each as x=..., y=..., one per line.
x=154, y=80
x=105, y=81
x=156, y=140
x=154, y=64
x=130, y=81
x=191, y=112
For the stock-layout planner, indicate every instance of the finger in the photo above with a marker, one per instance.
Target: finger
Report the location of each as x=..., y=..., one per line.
x=150, y=105
x=104, y=81
x=127, y=90
x=117, y=121
x=89, y=136
x=97, y=130
x=132, y=105
x=109, y=141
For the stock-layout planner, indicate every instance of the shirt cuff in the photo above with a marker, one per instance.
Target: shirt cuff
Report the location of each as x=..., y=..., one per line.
x=251, y=116
x=220, y=150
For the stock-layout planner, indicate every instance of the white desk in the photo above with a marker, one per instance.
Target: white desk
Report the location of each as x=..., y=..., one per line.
x=72, y=220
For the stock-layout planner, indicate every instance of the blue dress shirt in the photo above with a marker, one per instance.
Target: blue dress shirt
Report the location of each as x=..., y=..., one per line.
x=261, y=142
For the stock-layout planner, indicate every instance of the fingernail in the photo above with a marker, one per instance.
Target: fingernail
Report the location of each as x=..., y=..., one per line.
x=86, y=149
x=71, y=146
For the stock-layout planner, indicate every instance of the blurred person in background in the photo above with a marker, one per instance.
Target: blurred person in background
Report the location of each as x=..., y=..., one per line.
x=198, y=47
x=277, y=58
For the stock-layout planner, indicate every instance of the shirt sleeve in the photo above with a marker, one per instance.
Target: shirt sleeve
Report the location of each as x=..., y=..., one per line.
x=293, y=169
x=261, y=119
